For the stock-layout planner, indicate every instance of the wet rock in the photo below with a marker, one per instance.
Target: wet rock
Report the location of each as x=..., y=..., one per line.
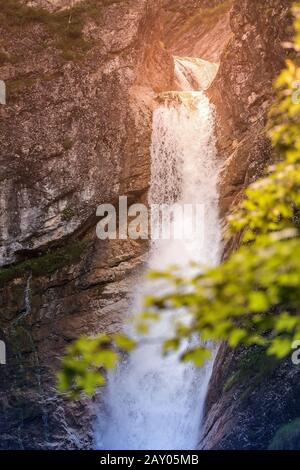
x=251, y=397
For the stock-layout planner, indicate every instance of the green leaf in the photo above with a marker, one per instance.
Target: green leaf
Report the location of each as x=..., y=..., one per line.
x=197, y=356
x=286, y=322
x=142, y=328
x=171, y=345
x=124, y=342
x=280, y=347
x=258, y=302
x=236, y=337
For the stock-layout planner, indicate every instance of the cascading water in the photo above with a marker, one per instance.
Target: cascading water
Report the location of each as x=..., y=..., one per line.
x=194, y=73
x=153, y=402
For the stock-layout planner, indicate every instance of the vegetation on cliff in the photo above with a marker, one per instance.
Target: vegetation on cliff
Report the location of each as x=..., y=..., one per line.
x=65, y=26
x=253, y=297
x=45, y=264
x=287, y=437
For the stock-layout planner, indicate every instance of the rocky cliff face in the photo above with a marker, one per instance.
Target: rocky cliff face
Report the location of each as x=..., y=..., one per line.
x=243, y=91
x=250, y=397
x=74, y=103
x=196, y=28
x=75, y=132
x=252, y=402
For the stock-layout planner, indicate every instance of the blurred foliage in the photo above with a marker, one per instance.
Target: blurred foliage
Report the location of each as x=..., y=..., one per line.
x=87, y=360
x=253, y=297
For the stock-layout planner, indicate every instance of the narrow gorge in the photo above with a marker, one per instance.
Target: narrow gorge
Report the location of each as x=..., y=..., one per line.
x=162, y=101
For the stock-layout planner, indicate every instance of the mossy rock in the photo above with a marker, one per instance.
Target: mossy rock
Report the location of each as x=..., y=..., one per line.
x=45, y=264
x=254, y=365
x=67, y=144
x=65, y=26
x=287, y=437
x=16, y=87
x=4, y=58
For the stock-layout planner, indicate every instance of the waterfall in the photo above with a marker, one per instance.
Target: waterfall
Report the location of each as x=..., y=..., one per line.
x=155, y=402
x=193, y=73
x=20, y=322
x=27, y=303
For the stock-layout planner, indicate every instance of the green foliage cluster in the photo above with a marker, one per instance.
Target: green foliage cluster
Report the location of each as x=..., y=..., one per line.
x=45, y=264
x=66, y=26
x=253, y=297
x=87, y=359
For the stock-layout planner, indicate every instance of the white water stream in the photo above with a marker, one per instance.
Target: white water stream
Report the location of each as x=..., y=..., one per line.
x=153, y=402
x=194, y=73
